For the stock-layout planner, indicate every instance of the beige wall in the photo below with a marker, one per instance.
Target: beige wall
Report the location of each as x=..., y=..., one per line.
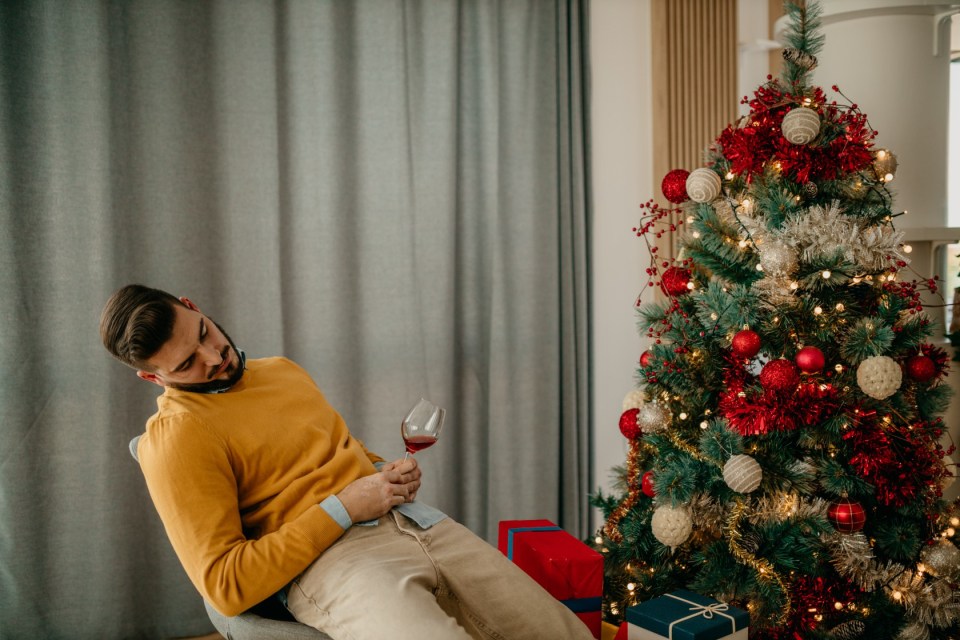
x=621, y=155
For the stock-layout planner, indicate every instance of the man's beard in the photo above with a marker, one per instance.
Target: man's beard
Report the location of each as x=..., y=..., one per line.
x=217, y=385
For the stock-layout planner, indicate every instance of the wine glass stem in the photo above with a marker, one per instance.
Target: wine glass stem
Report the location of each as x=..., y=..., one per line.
x=406, y=455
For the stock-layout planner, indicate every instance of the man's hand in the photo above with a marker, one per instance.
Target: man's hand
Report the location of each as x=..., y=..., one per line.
x=410, y=470
x=370, y=497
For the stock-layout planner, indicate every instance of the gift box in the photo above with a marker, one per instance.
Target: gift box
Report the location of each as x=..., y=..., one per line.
x=568, y=569
x=685, y=615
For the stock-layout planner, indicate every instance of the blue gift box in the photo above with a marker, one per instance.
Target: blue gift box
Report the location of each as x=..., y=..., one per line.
x=685, y=615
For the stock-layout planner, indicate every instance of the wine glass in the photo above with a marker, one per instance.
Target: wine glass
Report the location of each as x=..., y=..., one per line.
x=421, y=428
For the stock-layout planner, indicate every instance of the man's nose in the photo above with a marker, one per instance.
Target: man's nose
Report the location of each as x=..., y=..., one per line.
x=211, y=357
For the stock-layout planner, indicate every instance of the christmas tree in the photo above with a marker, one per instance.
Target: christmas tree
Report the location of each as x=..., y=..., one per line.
x=785, y=445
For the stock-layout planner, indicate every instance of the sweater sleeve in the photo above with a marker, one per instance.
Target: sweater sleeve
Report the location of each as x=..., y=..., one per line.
x=192, y=484
x=372, y=457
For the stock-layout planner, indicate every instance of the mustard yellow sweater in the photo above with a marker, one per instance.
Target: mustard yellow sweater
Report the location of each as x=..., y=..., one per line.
x=237, y=477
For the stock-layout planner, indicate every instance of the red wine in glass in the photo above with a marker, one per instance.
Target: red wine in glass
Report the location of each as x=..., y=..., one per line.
x=419, y=443
x=421, y=428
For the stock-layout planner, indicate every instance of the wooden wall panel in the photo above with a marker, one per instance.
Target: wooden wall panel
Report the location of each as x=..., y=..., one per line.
x=694, y=77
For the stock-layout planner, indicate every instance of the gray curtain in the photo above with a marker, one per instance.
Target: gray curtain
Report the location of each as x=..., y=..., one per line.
x=392, y=194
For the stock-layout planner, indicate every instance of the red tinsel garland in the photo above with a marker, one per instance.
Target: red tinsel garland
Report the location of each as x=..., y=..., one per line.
x=754, y=412
x=844, y=145
x=815, y=608
x=901, y=461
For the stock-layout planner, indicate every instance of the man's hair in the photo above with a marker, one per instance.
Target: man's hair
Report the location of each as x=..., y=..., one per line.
x=136, y=322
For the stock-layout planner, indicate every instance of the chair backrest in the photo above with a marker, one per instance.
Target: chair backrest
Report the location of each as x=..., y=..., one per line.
x=249, y=625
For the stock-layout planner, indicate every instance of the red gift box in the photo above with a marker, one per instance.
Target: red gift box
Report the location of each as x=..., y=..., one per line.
x=568, y=569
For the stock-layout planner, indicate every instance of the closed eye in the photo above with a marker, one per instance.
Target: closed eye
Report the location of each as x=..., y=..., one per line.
x=186, y=364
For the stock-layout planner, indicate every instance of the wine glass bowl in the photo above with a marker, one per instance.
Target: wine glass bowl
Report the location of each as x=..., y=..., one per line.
x=421, y=426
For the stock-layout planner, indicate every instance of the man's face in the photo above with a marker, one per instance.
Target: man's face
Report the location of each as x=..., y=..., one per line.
x=199, y=356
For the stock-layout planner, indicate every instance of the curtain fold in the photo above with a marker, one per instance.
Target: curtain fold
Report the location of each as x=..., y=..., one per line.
x=394, y=195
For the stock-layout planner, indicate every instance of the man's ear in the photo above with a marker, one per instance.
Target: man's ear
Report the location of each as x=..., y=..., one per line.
x=188, y=303
x=150, y=377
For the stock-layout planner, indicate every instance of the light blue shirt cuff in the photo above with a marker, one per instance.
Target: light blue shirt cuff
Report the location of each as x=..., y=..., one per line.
x=424, y=515
x=336, y=510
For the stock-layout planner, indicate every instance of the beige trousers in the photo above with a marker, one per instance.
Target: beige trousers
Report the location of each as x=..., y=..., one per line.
x=401, y=582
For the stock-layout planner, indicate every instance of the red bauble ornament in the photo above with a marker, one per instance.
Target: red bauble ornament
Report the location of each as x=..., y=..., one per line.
x=746, y=343
x=628, y=424
x=645, y=358
x=847, y=516
x=647, y=484
x=779, y=375
x=674, y=281
x=921, y=368
x=674, y=186
x=810, y=360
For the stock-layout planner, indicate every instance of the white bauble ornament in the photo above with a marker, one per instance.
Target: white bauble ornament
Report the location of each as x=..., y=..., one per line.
x=703, y=185
x=801, y=125
x=633, y=400
x=742, y=473
x=654, y=417
x=942, y=559
x=879, y=377
x=778, y=259
x=671, y=525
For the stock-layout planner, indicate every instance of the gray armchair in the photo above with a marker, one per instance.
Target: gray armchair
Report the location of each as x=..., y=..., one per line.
x=268, y=620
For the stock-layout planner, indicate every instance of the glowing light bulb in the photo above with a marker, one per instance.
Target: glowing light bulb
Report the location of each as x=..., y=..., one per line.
x=897, y=596
x=704, y=425
x=759, y=267
x=742, y=244
x=631, y=586
x=826, y=274
x=817, y=311
x=729, y=175
x=683, y=416
x=908, y=248
x=840, y=306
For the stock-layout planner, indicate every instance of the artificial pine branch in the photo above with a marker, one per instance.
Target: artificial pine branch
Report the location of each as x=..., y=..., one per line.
x=802, y=35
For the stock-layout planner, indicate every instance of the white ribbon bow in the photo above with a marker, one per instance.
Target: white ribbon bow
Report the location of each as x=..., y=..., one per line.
x=705, y=610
